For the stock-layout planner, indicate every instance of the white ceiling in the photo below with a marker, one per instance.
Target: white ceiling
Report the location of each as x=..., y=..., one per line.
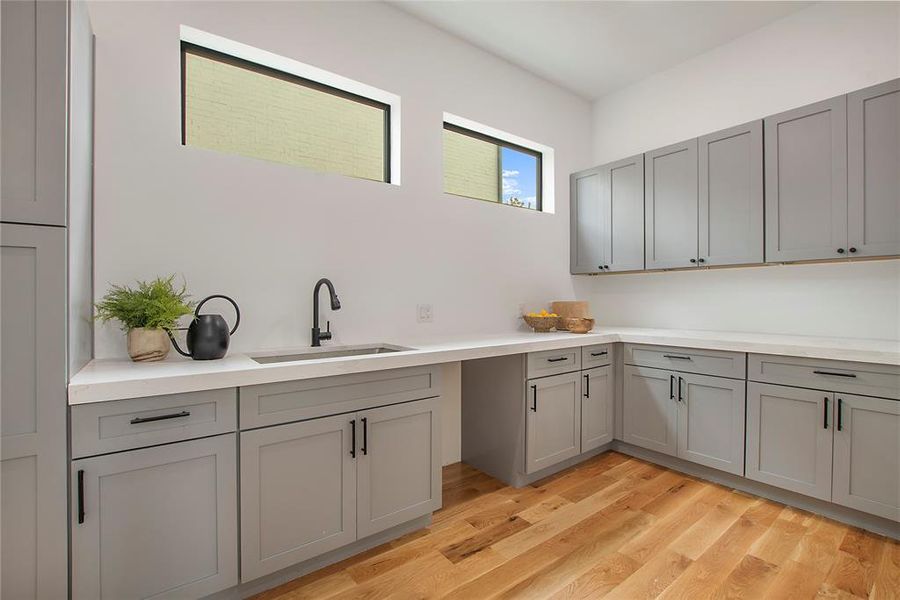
x=593, y=48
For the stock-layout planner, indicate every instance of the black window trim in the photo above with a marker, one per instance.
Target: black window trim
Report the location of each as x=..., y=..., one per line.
x=539, y=167
x=190, y=48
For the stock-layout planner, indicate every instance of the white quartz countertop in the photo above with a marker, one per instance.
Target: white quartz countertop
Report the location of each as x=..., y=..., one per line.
x=115, y=379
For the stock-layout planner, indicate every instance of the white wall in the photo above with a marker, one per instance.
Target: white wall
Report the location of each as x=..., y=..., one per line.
x=821, y=51
x=264, y=232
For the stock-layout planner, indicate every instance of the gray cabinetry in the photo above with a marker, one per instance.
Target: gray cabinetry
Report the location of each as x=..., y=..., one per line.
x=873, y=138
x=588, y=223
x=399, y=465
x=159, y=522
x=789, y=438
x=597, y=397
x=867, y=455
x=298, y=492
x=670, y=211
x=650, y=409
x=731, y=196
x=553, y=420
x=711, y=421
x=32, y=413
x=806, y=182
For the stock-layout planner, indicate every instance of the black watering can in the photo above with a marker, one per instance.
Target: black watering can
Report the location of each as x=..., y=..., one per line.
x=208, y=335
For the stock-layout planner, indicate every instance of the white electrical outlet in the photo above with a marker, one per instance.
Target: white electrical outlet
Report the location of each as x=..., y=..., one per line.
x=424, y=313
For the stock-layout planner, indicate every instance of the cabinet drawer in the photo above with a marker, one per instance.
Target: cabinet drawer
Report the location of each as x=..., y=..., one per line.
x=553, y=362
x=688, y=360
x=274, y=403
x=104, y=427
x=597, y=355
x=840, y=376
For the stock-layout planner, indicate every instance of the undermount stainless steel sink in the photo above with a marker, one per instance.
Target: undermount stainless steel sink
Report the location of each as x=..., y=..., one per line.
x=328, y=352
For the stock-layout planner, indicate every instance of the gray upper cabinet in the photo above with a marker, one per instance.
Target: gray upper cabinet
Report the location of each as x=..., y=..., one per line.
x=32, y=413
x=553, y=420
x=806, y=182
x=873, y=138
x=711, y=421
x=298, y=492
x=597, y=401
x=155, y=523
x=731, y=196
x=670, y=210
x=399, y=465
x=607, y=217
x=650, y=409
x=867, y=455
x=789, y=438
x=33, y=113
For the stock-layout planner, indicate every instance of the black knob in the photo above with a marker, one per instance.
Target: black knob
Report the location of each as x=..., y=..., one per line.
x=693, y=260
x=606, y=267
x=840, y=250
x=600, y=267
x=852, y=250
x=701, y=260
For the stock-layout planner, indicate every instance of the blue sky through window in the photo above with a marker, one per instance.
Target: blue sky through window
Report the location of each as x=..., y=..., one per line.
x=519, y=177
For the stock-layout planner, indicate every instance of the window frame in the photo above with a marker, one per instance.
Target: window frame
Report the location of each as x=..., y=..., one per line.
x=265, y=63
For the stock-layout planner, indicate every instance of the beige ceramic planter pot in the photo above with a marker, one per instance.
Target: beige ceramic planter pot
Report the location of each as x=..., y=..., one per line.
x=146, y=345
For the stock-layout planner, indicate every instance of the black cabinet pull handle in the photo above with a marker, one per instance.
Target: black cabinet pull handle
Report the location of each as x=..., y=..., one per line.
x=353, y=438
x=852, y=250
x=840, y=423
x=561, y=358
x=840, y=250
x=671, y=387
x=80, y=496
x=825, y=414
x=604, y=353
x=835, y=374
x=587, y=386
x=678, y=357
x=534, y=399
x=680, y=381
x=365, y=446
x=178, y=415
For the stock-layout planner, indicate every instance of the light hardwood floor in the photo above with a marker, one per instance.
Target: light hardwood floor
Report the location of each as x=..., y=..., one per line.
x=612, y=527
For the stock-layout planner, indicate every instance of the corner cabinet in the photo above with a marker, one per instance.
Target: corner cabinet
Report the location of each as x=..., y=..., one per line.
x=597, y=406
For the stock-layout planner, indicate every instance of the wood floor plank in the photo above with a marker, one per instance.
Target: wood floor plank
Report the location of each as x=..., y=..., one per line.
x=652, y=578
x=795, y=581
x=610, y=571
x=886, y=584
x=462, y=550
x=855, y=567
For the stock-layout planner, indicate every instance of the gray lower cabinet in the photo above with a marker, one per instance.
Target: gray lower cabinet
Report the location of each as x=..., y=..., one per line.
x=731, y=196
x=873, y=139
x=711, y=421
x=650, y=418
x=789, y=438
x=159, y=522
x=806, y=182
x=553, y=420
x=597, y=404
x=670, y=210
x=33, y=506
x=867, y=455
x=298, y=492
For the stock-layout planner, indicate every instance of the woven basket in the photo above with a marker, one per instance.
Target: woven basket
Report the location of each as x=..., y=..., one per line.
x=541, y=324
x=577, y=324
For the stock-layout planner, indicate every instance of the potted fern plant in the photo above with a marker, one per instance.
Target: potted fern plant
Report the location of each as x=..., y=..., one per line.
x=147, y=313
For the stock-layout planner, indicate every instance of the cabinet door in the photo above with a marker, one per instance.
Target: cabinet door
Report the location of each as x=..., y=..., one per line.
x=159, y=522
x=623, y=205
x=711, y=421
x=589, y=225
x=399, y=465
x=596, y=407
x=731, y=196
x=553, y=421
x=670, y=210
x=867, y=455
x=789, y=438
x=806, y=182
x=298, y=493
x=651, y=409
x=33, y=507
x=873, y=140
x=33, y=112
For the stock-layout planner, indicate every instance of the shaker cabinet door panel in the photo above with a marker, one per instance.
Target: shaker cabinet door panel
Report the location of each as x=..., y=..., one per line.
x=731, y=196
x=553, y=420
x=589, y=221
x=873, y=139
x=624, y=204
x=806, y=182
x=651, y=409
x=670, y=210
x=399, y=464
x=711, y=421
x=597, y=399
x=156, y=523
x=298, y=493
x=789, y=438
x=867, y=455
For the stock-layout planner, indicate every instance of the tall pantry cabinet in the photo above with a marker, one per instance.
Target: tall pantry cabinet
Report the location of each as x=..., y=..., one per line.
x=46, y=68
